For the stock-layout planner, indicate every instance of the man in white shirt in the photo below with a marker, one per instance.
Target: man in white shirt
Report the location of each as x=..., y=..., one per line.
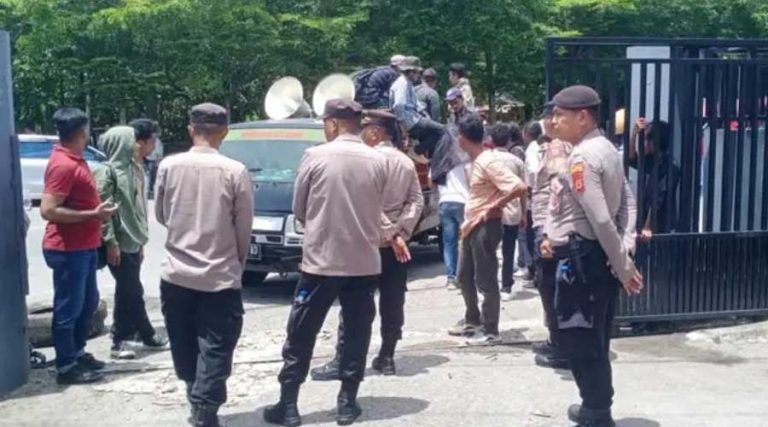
x=453, y=196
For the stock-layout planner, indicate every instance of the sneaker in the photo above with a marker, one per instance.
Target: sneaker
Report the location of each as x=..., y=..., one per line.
x=527, y=276
x=156, y=343
x=551, y=362
x=90, y=363
x=327, y=372
x=452, y=284
x=284, y=414
x=78, y=375
x=121, y=351
x=384, y=365
x=463, y=329
x=482, y=339
x=506, y=294
x=529, y=284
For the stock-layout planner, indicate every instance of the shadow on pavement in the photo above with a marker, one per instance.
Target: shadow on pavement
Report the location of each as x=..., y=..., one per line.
x=524, y=295
x=412, y=365
x=43, y=381
x=636, y=422
x=375, y=408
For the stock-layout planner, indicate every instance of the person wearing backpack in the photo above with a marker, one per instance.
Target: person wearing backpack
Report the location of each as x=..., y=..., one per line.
x=121, y=180
x=372, y=84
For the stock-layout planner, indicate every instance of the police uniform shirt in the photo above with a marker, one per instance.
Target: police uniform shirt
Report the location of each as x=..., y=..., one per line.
x=553, y=157
x=593, y=200
x=338, y=198
x=403, y=200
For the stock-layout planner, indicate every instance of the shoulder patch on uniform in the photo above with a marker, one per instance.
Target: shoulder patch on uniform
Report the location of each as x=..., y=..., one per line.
x=577, y=176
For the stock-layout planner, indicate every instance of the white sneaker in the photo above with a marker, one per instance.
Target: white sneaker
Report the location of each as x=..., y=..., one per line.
x=483, y=339
x=121, y=351
x=506, y=296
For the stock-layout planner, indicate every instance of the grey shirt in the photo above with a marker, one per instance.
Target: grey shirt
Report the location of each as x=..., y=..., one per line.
x=403, y=199
x=338, y=197
x=205, y=200
x=430, y=99
x=593, y=199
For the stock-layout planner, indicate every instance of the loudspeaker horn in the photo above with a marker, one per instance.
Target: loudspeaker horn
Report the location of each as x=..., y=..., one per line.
x=333, y=86
x=285, y=99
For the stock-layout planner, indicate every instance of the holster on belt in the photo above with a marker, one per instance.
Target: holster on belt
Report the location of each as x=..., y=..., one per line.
x=573, y=297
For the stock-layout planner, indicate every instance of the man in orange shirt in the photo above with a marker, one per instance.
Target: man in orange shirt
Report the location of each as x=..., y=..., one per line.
x=492, y=186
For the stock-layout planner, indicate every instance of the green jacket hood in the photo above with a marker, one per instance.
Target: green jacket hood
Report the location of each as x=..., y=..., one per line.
x=119, y=145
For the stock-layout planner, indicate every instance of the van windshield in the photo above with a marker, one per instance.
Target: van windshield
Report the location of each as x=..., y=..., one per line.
x=268, y=160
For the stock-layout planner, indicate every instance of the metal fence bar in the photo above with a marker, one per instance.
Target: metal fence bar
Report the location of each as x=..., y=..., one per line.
x=712, y=109
x=753, y=146
x=726, y=199
x=742, y=106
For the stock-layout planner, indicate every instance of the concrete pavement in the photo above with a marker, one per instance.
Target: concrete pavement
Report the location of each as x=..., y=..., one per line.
x=703, y=378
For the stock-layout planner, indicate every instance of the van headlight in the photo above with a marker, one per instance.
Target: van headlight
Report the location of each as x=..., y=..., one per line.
x=294, y=231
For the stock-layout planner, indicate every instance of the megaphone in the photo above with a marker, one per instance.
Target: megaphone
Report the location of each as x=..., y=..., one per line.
x=334, y=86
x=285, y=99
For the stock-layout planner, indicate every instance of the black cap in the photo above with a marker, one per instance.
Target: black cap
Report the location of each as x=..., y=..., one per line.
x=381, y=116
x=576, y=98
x=547, y=109
x=342, y=109
x=209, y=114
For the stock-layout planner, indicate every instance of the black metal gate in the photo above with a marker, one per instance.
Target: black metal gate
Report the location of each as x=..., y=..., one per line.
x=710, y=99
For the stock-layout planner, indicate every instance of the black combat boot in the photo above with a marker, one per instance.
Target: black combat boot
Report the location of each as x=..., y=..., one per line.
x=384, y=364
x=552, y=361
x=286, y=411
x=327, y=372
x=587, y=417
x=205, y=416
x=348, y=410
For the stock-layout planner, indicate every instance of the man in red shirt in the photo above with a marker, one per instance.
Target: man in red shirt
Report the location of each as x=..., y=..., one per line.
x=74, y=212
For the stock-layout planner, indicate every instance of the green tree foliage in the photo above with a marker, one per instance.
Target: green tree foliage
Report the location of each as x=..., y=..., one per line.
x=120, y=59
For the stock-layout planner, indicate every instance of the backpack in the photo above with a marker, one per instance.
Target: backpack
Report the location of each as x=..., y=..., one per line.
x=367, y=95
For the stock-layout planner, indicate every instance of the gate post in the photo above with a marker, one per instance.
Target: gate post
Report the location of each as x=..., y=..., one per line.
x=14, y=352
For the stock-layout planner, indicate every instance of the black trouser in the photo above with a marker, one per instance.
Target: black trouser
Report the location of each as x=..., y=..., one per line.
x=586, y=301
x=203, y=328
x=314, y=297
x=478, y=269
x=508, y=243
x=544, y=279
x=428, y=132
x=130, y=314
x=392, y=286
x=526, y=239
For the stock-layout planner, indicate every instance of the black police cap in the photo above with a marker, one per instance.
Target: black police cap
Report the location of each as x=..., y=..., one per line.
x=576, y=98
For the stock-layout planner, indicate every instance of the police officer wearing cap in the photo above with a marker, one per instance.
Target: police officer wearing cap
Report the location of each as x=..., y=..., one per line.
x=205, y=254
x=590, y=230
x=337, y=198
x=403, y=202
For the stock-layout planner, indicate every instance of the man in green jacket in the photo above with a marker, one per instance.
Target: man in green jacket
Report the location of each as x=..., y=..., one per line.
x=125, y=234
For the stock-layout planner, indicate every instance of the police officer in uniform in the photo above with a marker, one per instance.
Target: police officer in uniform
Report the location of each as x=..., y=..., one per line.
x=553, y=160
x=403, y=202
x=337, y=197
x=590, y=230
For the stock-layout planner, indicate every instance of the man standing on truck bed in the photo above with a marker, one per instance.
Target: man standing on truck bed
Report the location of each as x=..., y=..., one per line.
x=403, y=202
x=338, y=198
